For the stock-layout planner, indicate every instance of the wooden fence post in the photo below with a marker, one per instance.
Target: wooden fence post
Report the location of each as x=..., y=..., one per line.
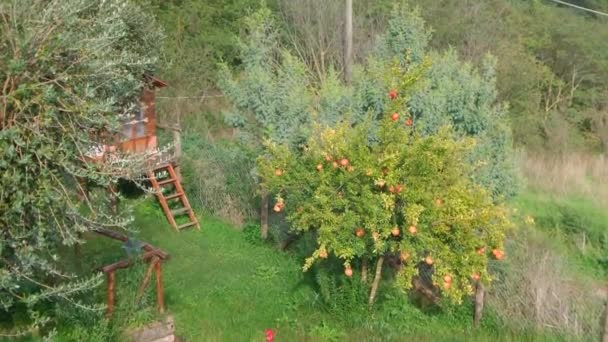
x=160, y=298
x=110, y=307
x=479, y=295
x=177, y=143
x=348, y=42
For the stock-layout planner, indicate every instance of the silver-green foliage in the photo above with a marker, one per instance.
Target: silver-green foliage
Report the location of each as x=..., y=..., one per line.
x=69, y=70
x=271, y=97
x=457, y=94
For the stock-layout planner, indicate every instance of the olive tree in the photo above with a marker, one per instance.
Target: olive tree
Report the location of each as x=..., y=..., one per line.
x=70, y=71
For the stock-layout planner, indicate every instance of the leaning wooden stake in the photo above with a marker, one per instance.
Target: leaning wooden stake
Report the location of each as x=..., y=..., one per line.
x=479, y=295
x=160, y=298
x=144, y=283
x=372, y=293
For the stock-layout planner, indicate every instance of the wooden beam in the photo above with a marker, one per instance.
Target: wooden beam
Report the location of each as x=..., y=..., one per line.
x=128, y=262
x=122, y=237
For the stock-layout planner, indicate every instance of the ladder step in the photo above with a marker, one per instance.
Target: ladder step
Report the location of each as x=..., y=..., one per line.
x=180, y=211
x=162, y=167
x=187, y=225
x=167, y=181
x=174, y=196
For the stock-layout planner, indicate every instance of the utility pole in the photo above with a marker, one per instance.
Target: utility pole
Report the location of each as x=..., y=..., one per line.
x=348, y=42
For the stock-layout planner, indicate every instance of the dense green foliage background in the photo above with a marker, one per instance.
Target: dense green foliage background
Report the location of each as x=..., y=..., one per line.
x=513, y=74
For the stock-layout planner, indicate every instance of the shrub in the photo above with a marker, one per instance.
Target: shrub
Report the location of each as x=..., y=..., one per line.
x=218, y=178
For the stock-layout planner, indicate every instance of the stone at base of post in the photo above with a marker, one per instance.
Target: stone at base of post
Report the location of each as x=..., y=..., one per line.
x=479, y=296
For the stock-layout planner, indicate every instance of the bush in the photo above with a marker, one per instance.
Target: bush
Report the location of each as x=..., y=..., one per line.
x=218, y=177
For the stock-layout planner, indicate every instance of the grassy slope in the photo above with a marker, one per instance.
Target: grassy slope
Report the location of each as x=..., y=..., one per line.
x=221, y=286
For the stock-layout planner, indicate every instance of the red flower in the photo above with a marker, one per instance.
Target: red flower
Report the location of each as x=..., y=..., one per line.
x=409, y=122
x=269, y=335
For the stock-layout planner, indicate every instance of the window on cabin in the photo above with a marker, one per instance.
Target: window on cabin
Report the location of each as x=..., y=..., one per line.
x=140, y=124
x=136, y=126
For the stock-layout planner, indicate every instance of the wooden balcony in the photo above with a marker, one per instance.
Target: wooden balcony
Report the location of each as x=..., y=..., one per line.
x=133, y=158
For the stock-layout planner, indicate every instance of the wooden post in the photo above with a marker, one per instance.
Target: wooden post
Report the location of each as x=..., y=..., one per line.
x=110, y=307
x=264, y=216
x=479, y=295
x=177, y=142
x=348, y=42
x=160, y=298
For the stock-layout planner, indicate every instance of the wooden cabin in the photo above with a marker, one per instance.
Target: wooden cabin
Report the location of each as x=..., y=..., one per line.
x=138, y=139
x=139, y=134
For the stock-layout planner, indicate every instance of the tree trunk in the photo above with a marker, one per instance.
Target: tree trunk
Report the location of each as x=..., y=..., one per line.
x=364, y=270
x=372, y=293
x=479, y=295
x=348, y=42
x=264, y=216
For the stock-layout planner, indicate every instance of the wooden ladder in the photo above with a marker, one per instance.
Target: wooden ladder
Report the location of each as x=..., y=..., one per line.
x=184, y=208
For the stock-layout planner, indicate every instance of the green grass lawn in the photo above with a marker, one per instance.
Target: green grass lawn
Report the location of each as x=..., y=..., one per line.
x=223, y=285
